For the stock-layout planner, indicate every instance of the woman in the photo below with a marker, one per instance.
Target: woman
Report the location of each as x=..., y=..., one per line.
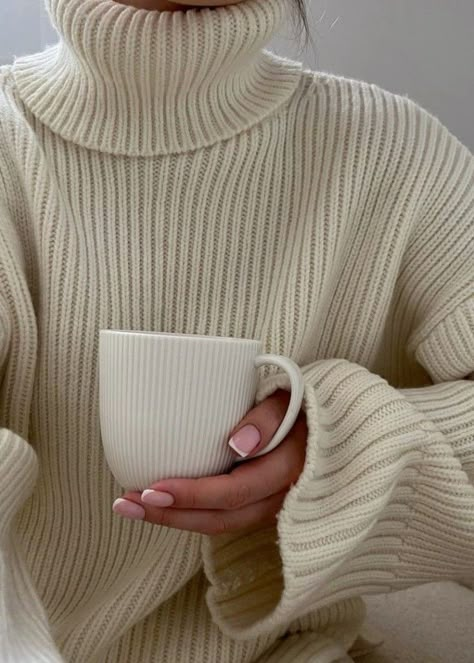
x=161, y=170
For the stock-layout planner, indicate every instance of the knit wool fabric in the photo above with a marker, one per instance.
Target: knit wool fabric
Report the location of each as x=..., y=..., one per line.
x=163, y=171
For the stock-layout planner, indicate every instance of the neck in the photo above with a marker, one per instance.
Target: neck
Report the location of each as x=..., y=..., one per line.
x=128, y=81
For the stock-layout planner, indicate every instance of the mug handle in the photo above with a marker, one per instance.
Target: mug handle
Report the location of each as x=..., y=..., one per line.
x=297, y=392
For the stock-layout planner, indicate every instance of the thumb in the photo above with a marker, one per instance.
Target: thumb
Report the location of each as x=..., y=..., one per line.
x=260, y=424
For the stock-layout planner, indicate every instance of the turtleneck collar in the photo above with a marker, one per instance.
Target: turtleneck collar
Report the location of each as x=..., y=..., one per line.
x=137, y=82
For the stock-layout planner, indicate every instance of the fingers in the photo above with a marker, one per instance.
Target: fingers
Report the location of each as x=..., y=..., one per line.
x=246, y=484
x=213, y=522
x=249, y=496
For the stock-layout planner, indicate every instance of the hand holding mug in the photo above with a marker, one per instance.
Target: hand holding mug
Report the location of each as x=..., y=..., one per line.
x=248, y=497
x=169, y=404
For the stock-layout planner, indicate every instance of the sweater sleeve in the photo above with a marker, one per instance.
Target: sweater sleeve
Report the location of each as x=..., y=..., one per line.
x=386, y=497
x=24, y=632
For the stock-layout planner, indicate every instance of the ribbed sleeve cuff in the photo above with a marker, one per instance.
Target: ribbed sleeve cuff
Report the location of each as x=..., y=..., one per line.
x=18, y=475
x=449, y=406
x=382, y=503
x=304, y=647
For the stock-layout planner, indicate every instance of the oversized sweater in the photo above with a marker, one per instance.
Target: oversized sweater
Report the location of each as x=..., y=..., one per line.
x=163, y=171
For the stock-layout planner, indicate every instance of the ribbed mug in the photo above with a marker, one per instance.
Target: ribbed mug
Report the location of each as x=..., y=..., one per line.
x=169, y=401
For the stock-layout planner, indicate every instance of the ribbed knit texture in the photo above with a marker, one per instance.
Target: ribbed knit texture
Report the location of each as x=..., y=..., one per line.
x=161, y=171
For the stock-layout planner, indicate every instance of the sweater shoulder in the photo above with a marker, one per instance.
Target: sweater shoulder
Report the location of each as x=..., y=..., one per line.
x=5, y=74
x=13, y=120
x=9, y=112
x=349, y=96
x=5, y=71
x=386, y=114
x=7, y=92
x=389, y=138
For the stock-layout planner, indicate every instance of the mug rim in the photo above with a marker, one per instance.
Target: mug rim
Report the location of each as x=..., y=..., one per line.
x=177, y=335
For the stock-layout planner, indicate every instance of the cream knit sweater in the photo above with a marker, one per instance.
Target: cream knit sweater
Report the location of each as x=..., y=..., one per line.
x=164, y=171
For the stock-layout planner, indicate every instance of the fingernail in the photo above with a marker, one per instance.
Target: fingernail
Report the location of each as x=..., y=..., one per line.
x=128, y=509
x=245, y=440
x=157, y=498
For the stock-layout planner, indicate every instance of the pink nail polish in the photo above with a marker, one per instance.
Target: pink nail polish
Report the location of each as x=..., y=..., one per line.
x=128, y=509
x=245, y=440
x=157, y=498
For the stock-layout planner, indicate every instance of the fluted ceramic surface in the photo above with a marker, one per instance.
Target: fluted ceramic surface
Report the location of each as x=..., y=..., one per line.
x=168, y=403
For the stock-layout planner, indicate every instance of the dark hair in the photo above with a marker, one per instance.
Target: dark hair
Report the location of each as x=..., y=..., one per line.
x=301, y=21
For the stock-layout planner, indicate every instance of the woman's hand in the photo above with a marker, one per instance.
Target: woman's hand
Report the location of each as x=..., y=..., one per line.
x=248, y=497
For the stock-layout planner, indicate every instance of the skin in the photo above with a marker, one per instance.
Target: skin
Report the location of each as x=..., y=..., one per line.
x=164, y=5
x=250, y=495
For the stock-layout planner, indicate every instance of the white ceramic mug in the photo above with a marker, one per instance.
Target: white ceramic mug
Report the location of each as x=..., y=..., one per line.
x=168, y=402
